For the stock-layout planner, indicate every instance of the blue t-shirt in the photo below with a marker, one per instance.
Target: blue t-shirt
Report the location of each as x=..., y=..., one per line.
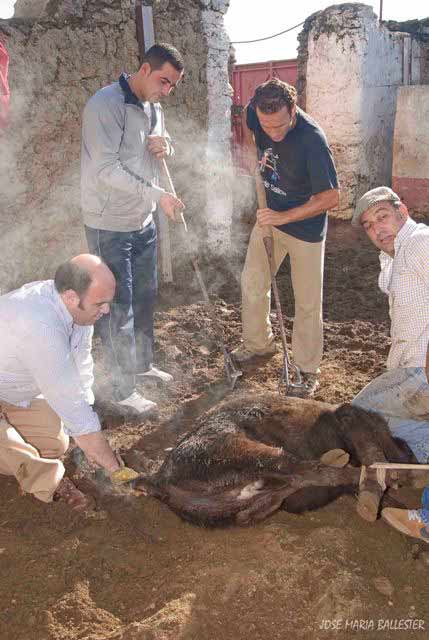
x=296, y=168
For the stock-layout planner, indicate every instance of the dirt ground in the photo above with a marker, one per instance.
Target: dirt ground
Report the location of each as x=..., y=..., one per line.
x=134, y=571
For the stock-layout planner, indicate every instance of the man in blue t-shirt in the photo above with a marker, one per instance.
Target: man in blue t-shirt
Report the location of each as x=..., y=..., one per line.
x=300, y=185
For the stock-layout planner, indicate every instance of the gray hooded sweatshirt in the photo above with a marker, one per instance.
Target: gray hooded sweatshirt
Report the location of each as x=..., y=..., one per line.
x=119, y=176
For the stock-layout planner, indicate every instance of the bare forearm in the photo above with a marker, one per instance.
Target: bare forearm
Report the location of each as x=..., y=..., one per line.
x=317, y=204
x=98, y=450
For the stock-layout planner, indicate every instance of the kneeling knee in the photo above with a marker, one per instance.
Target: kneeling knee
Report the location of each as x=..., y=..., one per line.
x=61, y=445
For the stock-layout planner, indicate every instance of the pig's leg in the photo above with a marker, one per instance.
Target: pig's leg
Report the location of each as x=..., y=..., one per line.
x=363, y=437
x=248, y=455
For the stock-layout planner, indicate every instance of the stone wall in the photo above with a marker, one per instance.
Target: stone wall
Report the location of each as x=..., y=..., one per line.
x=350, y=67
x=58, y=59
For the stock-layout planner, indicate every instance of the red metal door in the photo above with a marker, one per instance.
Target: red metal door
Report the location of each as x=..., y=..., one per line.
x=245, y=79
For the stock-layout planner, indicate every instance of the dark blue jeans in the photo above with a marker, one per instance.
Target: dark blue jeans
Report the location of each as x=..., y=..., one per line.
x=127, y=332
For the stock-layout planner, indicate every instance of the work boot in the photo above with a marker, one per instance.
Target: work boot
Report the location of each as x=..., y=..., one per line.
x=155, y=374
x=242, y=355
x=310, y=384
x=138, y=403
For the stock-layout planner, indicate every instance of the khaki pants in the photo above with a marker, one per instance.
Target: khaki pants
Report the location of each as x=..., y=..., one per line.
x=31, y=441
x=307, y=259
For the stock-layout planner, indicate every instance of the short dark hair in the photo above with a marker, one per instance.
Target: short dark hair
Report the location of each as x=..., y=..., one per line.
x=70, y=276
x=160, y=53
x=273, y=95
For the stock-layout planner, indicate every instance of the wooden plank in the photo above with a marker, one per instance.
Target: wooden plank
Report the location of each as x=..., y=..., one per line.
x=146, y=38
x=399, y=465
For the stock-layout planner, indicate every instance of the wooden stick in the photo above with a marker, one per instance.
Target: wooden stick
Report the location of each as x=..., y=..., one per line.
x=173, y=191
x=398, y=465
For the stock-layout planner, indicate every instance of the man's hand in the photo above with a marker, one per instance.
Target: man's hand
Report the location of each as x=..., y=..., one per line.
x=268, y=216
x=158, y=146
x=98, y=451
x=170, y=204
x=123, y=476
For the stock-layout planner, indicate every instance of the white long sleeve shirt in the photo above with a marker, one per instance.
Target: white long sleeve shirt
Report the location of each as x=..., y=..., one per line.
x=405, y=279
x=43, y=352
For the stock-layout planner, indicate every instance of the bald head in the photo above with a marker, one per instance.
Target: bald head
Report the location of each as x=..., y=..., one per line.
x=96, y=269
x=86, y=286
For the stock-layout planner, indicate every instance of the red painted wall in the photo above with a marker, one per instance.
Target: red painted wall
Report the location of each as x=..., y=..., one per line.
x=4, y=87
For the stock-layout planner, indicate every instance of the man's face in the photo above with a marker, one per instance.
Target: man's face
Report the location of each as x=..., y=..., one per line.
x=94, y=303
x=276, y=125
x=382, y=223
x=158, y=83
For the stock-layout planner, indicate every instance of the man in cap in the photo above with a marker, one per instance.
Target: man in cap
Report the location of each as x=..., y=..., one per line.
x=401, y=394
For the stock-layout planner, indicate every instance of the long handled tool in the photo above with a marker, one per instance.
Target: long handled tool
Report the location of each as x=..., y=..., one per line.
x=296, y=387
x=231, y=371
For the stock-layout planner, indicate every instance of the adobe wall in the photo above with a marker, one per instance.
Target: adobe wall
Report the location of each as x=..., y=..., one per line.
x=61, y=52
x=350, y=69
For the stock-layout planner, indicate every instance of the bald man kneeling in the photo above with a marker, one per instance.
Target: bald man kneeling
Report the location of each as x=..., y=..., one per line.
x=46, y=378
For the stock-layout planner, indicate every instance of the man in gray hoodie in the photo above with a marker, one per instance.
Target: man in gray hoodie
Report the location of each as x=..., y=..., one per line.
x=123, y=139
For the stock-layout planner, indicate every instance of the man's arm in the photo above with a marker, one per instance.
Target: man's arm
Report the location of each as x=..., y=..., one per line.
x=160, y=145
x=317, y=204
x=98, y=450
x=417, y=260
x=102, y=132
x=47, y=355
x=84, y=362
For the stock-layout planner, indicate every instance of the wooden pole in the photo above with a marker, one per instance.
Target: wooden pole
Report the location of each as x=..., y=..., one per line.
x=146, y=38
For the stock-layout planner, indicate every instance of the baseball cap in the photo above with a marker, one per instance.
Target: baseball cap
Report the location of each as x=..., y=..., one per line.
x=370, y=198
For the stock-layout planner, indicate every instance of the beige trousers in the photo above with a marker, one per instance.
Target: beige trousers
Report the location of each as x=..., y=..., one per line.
x=307, y=259
x=31, y=441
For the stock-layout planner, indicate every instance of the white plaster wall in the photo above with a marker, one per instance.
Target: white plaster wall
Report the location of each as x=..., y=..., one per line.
x=411, y=158
x=354, y=68
x=219, y=200
x=382, y=74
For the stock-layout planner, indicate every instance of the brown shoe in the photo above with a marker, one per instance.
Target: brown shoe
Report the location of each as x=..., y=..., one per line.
x=68, y=492
x=407, y=521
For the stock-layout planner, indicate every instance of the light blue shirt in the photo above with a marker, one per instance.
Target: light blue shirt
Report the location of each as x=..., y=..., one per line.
x=43, y=352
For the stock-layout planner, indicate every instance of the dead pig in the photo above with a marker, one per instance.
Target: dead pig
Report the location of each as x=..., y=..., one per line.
x=247, y=458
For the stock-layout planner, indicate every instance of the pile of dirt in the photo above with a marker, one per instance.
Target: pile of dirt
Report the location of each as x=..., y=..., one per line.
x=134, y=571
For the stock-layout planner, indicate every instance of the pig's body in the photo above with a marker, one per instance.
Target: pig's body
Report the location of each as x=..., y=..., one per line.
x=249, y=457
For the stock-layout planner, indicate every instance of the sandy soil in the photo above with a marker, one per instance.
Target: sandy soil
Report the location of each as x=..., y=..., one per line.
x=134, y=571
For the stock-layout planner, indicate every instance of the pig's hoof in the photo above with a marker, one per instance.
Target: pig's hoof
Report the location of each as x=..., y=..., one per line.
x=335, y=458
x=368, y=505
